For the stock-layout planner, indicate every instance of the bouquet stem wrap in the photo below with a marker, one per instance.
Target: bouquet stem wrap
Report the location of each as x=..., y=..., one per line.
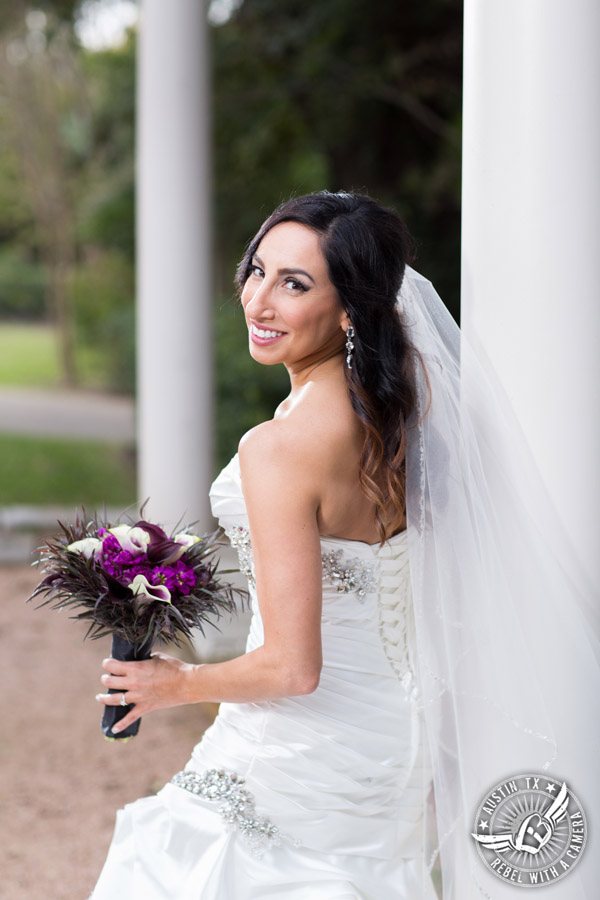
x=127, y=652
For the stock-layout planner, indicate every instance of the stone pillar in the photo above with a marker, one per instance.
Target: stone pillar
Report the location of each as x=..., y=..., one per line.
x=531, y=233
x=174, y=337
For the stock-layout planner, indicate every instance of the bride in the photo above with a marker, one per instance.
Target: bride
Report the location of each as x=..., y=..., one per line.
x=347, y=754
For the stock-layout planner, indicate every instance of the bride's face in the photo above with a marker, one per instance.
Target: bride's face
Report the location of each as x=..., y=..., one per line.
x=292, y=309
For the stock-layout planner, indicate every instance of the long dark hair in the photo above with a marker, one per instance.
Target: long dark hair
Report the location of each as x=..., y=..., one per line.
x=367, y=247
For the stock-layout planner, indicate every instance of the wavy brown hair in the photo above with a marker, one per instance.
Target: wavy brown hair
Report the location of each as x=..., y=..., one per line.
x=367, y=247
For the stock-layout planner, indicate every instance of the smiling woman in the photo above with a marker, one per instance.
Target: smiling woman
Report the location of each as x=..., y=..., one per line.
x=343, y=272
x=295, y=313
x=314, y=504
x=393, y=570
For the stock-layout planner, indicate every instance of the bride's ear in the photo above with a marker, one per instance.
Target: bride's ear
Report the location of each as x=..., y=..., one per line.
x=345, y=321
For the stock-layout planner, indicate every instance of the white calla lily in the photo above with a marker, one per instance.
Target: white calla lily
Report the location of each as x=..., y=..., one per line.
x=188, y=540
x=86, y=546
x=131, y=538
x=145, y=592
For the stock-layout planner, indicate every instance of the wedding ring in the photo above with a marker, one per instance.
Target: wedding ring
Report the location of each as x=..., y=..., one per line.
x=124, y=701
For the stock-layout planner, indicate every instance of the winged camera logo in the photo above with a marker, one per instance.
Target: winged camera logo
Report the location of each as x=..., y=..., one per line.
x=530, y=830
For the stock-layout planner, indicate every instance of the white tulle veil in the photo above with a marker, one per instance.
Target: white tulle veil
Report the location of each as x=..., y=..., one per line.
x=506, y=646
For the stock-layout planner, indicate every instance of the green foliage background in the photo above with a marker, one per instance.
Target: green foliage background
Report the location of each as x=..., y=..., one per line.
x=339, y=94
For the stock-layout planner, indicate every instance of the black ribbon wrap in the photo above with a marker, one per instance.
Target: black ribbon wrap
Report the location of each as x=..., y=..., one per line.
x=127, y=652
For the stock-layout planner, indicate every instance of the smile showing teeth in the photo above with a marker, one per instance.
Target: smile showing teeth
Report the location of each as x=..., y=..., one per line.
x=262, y=333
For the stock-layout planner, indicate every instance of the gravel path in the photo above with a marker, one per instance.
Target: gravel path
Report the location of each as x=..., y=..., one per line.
x=61, y=782
x=62, y=413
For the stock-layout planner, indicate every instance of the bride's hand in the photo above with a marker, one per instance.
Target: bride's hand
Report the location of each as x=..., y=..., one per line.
x=150, y=684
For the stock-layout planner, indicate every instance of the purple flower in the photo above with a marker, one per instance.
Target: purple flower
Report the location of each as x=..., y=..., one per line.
x=110, y=543
x=133, y=580
x=177, y=577
x=126, y=558
x=186, y=576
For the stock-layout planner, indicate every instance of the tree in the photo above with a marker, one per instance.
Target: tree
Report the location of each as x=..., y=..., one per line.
x=343, y=94
x=67, y=174
x=45, y=118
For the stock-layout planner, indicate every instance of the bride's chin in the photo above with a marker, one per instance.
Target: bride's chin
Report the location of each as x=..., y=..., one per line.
x=263, y=356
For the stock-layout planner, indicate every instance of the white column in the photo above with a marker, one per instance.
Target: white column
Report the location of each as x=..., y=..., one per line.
x=175, y=423
x=531, y=233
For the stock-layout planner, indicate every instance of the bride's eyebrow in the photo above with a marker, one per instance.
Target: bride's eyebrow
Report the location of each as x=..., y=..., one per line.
x=285, y=271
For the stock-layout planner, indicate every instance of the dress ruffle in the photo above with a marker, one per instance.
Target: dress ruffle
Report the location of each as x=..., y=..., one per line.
x=174, y=845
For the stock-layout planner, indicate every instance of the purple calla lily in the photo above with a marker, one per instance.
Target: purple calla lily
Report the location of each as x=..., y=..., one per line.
x=156, y=533
x=117, y=590
x=162, y=550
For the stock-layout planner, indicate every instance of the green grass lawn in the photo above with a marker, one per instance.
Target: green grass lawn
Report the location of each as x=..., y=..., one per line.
x=29, y=358
x=50, y=471
x=43, y=471
x=28, y=355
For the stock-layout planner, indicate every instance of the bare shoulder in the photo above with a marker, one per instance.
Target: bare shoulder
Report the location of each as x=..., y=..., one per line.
x=295, y=470
x=305, y=444
x=265, y=439
x=275, y=454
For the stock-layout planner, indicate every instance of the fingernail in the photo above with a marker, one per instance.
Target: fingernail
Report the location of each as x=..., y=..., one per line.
x=115, y=729
x=98, y=697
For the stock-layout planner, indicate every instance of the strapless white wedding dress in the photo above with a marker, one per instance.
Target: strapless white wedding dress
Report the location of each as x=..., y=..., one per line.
x=314, y=797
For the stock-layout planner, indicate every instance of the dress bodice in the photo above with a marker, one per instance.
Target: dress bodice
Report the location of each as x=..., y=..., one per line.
x=378, y=578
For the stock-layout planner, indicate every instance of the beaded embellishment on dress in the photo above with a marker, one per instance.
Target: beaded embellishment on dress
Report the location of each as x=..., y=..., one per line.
x=346, y=574
x=237, y=806
x=239, y=538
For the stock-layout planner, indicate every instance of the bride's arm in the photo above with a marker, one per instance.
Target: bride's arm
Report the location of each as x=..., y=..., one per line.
x=282, y=498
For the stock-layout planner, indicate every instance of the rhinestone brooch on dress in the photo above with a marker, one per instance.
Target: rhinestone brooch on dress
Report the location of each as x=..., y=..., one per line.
x=239, y=538
x=349, y=574
x=237, y=806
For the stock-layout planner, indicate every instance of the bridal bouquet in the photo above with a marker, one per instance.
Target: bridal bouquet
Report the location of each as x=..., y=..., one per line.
x=135, y=582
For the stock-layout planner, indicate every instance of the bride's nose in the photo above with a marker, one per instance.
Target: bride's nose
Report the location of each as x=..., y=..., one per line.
x=259, y=306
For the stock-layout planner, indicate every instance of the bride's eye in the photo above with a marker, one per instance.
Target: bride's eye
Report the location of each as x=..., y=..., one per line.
x=255, y=271
x=296, y=286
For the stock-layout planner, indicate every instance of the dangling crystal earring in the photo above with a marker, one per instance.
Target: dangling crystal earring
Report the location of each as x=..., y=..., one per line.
x=349, y=345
